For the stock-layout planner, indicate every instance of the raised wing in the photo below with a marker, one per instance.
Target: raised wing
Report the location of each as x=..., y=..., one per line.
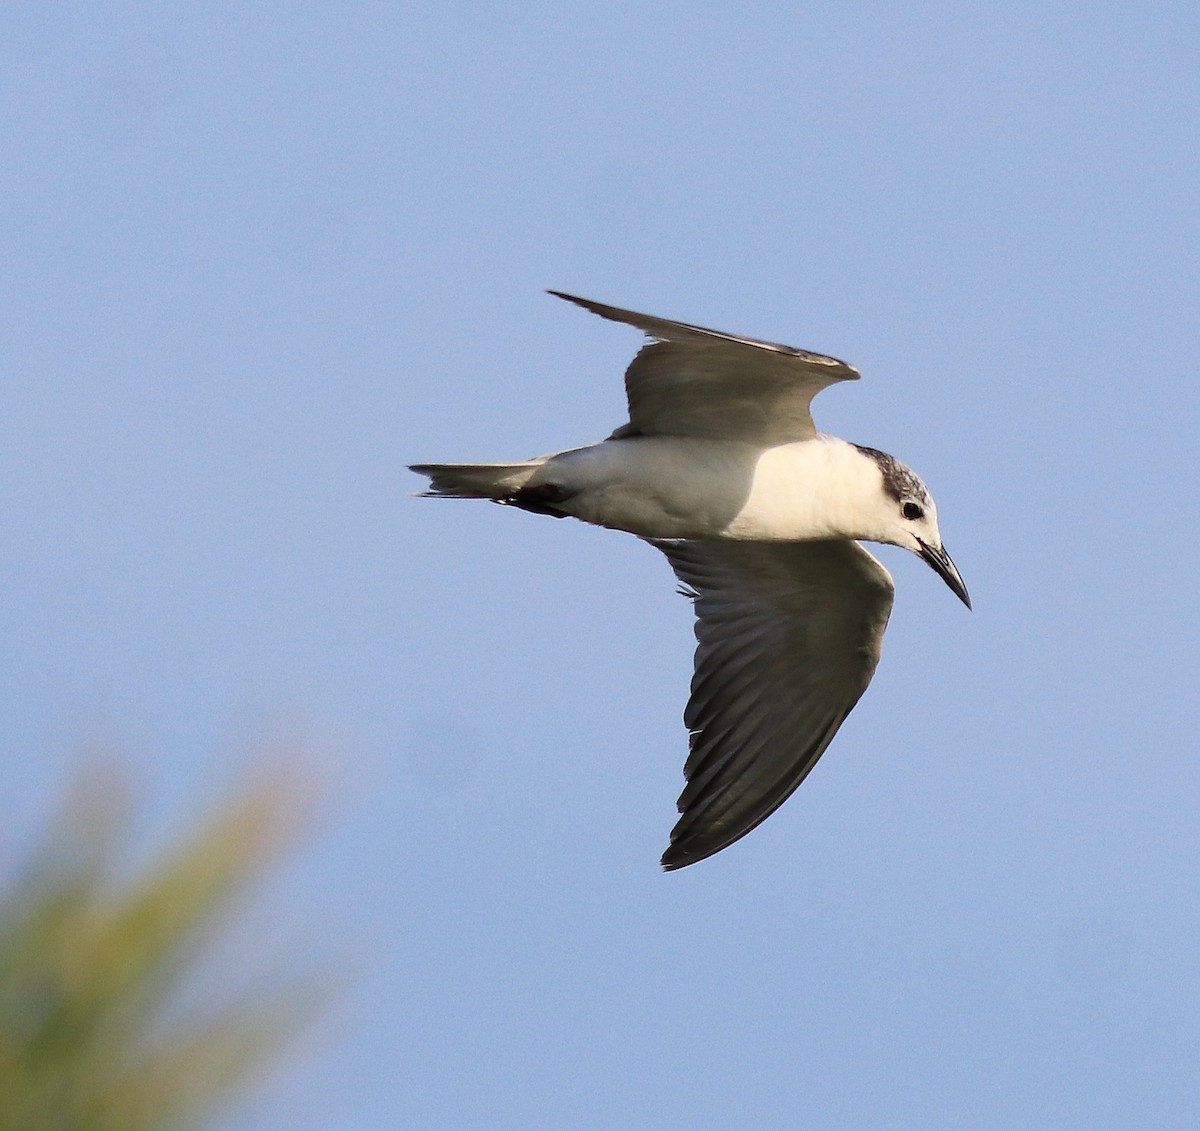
x=691, y=381
x=788, y=636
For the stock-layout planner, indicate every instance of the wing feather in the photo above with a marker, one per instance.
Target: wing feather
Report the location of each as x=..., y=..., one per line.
x=788, y=636
x=692, y=381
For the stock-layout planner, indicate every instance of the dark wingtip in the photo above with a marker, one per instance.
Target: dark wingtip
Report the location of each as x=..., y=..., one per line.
x=603, y=309
x=679, y=855
x=669, y=865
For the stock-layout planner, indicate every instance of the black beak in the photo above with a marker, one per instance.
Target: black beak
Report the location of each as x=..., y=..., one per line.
x=946, y=570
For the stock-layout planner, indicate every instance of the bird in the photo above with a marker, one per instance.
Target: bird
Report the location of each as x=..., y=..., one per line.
x=761, y=517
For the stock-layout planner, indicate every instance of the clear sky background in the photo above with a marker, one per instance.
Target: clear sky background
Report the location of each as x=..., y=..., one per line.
x=257, y=257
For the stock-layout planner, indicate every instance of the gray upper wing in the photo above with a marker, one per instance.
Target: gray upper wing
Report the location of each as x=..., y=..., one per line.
x=691, y=381
x=788, y=636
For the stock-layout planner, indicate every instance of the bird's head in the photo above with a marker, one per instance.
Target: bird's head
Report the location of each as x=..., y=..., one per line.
x=907, y=517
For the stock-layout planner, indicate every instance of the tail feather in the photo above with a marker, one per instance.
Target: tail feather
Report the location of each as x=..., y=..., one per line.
x=475, y=480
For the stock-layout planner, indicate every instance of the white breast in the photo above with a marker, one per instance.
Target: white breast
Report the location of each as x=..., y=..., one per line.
x=820, y=488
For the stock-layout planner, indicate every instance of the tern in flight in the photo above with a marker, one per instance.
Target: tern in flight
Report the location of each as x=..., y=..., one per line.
x=761, y=517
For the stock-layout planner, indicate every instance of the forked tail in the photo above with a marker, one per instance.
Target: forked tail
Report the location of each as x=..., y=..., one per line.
x=500, y=481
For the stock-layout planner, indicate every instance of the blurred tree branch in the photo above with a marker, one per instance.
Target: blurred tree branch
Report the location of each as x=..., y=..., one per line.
x=94, y=966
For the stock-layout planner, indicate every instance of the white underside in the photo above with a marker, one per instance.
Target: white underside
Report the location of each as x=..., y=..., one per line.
x=678, y=487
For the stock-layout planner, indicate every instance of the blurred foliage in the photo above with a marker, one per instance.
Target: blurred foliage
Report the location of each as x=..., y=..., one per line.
x=98, y=967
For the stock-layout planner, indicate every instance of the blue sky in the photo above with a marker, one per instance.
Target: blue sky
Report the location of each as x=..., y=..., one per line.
x=258, y=257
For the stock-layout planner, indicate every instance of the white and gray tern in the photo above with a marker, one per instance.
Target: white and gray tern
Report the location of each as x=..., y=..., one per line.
x=760, y=515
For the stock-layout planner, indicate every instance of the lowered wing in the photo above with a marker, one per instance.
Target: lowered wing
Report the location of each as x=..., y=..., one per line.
x=788, y=636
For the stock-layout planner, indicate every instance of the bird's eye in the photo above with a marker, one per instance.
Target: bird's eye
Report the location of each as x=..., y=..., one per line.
x=912, y=511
